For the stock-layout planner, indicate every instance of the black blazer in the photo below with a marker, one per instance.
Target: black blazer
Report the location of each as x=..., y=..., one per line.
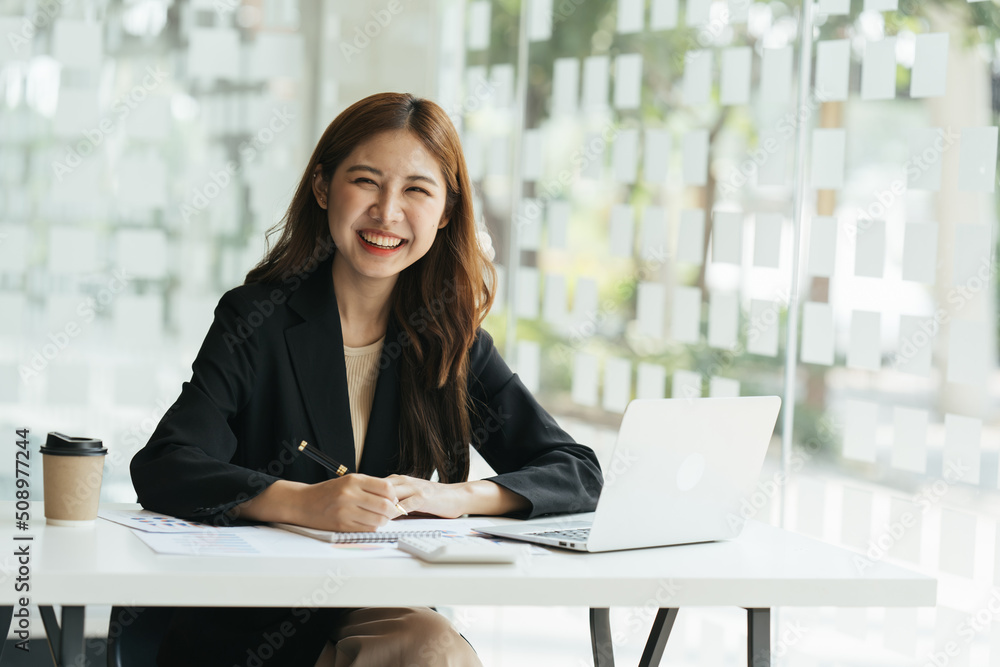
x=271, y=373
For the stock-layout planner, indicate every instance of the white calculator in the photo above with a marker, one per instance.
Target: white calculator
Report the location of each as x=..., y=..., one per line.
x=458, y=550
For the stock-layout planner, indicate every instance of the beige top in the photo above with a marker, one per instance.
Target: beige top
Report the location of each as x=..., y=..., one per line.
x=362, y=373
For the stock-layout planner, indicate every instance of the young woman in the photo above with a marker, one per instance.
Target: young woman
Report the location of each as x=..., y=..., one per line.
x=359, y=332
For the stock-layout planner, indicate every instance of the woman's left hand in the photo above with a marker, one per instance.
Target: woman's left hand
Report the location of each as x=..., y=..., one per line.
x=421, y=495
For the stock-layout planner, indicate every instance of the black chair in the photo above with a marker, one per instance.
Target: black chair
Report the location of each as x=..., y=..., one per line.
x=135, y=633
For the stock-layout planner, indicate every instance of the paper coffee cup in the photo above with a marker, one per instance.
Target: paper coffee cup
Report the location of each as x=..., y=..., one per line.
x=72, y=469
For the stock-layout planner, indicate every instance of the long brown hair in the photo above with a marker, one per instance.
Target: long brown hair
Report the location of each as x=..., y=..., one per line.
x=439, y=301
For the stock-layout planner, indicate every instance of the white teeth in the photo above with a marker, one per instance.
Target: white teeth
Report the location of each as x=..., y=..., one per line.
x=381, y=241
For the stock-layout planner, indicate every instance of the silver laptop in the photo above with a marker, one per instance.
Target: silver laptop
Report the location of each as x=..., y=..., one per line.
x=679, y=473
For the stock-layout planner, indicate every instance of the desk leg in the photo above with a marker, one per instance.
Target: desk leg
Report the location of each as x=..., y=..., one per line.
x=759, y=637
x=658, y=636
x=600, y=637
x=66, y=642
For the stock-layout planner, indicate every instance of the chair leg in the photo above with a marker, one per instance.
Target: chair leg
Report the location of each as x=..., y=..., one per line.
x=600, y=637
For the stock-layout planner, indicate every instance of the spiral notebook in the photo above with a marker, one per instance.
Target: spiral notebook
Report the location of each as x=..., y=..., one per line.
x=354, y=538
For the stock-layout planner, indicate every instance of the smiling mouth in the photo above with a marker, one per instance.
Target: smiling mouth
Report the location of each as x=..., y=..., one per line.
x=379, y=241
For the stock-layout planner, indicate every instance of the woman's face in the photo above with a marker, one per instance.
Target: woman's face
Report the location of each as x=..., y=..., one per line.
x=385, y=204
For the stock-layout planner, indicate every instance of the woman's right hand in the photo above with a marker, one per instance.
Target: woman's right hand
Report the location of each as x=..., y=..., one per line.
x=353, y=503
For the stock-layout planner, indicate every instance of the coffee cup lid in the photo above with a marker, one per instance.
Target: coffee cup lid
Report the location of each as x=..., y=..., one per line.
x=66, y=445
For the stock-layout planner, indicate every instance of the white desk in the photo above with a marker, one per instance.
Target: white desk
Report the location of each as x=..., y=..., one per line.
x=766, y=567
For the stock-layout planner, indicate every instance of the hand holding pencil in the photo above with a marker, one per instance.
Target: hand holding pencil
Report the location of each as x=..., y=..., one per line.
x=330, y=464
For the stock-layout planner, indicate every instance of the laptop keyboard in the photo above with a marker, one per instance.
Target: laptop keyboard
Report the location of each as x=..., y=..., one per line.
x=579, y=534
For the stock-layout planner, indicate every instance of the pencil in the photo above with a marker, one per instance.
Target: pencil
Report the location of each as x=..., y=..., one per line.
x=327, y=462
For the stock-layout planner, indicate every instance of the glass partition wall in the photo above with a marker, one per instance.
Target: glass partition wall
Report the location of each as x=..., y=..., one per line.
x=706, y=199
